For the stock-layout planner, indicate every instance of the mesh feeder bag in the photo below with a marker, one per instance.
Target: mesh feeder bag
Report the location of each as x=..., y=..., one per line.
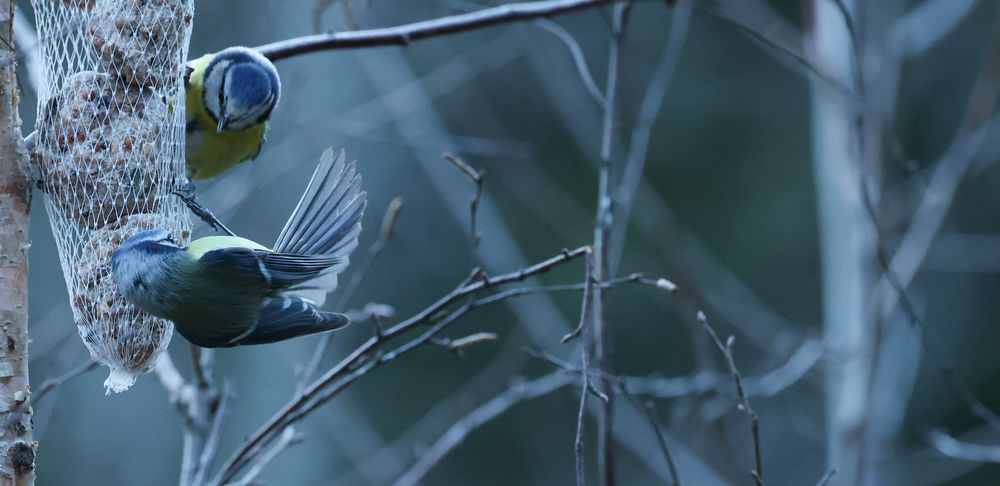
x=109, y=152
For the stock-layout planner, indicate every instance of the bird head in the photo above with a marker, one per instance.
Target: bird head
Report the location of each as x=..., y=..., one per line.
x=144, y=246
x=241, y=88
x=140, y=259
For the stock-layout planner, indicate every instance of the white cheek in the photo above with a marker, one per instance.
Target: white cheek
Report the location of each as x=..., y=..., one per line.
x=214, y=84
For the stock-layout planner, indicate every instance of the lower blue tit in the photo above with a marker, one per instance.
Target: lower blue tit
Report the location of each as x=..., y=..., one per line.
x=230, y=96
x=223, y=291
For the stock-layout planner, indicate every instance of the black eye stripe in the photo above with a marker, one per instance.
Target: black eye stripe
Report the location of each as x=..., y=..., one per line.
x=222, y=93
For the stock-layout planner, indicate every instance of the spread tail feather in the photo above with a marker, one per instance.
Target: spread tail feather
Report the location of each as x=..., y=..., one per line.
x=327, y=219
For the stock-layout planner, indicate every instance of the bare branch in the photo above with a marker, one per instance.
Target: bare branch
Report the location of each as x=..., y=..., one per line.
x=390, y=69
x=210, y=447
x=201, y=363
x=581, y=470
x=288, y=438
x=170, y=378
x=786, y=51
x=727, y=352
x=603, y=223
x=404, y=34
x=825, y=479
x=43, y=390
x=649, y=410
x=966, y=451
x=203, y=412
x=365, y=357
x=635, y=278
x=477, y=177
x=585, y=387
x=579, y=59
x=51, y=384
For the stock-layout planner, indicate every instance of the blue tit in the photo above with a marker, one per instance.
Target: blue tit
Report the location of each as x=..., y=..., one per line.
x=230, y=96
x=223, y=291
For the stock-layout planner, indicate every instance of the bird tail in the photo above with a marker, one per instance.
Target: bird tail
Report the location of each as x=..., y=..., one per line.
x=287, y=317
x=326, y=221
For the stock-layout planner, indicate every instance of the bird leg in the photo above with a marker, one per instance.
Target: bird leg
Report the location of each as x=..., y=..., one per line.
x=189, y=196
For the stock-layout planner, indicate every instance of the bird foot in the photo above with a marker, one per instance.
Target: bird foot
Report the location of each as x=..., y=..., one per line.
x=189, y=196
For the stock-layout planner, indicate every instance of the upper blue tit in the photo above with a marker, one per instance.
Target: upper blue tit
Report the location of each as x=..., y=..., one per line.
x=225, y=291
x=230, y=97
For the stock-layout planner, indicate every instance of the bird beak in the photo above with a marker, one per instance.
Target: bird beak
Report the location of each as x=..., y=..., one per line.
x=222, y=124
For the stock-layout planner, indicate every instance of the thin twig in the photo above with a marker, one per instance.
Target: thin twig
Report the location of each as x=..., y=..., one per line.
x=477, y=177
x=288, y=438
x=957, y=449
x=578, y=441
x=47, y=386
x=825, y=479
x=635, y=278
x=785, y=51
x=51, y=384
x=585, y=386
x=579, y=59
x=405, y=34
x=727, y=352
x=649, y=410
x=210, y=447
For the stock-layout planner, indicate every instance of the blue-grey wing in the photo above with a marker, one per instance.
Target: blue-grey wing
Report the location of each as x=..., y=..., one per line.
x=278, y=270
x=289, y=316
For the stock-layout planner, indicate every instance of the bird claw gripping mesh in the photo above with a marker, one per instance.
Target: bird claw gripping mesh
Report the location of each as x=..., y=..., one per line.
x=110, y=151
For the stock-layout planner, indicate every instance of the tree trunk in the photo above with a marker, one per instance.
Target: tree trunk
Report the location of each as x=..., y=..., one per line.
x=17, y=447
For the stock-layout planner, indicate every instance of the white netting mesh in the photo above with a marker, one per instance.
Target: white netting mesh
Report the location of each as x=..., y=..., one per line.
x=110, y=150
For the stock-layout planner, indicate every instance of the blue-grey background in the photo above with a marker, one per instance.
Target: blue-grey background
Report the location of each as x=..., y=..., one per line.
x=726, y=210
